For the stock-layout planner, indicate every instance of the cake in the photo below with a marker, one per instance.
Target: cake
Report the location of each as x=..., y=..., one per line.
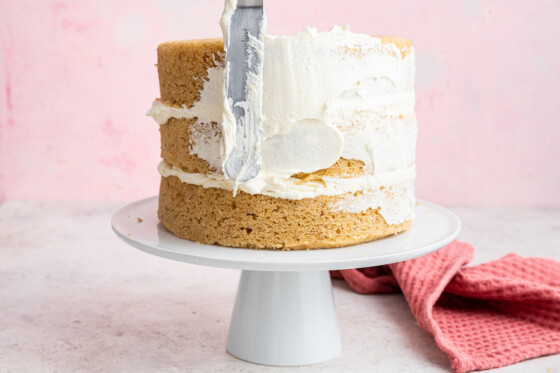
x=339, y=137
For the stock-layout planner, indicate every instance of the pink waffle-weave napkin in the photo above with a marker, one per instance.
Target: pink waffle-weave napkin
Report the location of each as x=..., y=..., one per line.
x=482, y=317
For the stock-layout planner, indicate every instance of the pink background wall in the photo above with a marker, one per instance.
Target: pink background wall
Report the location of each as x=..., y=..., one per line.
x=76, y=78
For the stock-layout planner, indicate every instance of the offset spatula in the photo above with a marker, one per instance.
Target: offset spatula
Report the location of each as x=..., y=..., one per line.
x=246, y=28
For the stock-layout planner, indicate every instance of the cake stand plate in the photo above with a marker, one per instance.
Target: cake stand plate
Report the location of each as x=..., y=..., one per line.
x=284, y=313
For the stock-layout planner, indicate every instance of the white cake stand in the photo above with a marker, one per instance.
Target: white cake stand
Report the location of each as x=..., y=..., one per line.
x=284, y=313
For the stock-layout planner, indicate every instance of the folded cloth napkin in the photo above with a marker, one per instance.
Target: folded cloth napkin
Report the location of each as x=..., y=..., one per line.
x=482, y=317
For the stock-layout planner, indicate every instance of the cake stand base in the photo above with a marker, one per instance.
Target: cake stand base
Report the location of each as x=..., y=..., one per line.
x=284, y=319
x=284, y=312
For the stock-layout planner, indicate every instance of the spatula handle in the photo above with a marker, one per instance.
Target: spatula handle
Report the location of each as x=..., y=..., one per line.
x=249, y=3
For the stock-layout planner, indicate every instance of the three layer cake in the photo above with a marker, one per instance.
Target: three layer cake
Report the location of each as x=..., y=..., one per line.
x=339, y=137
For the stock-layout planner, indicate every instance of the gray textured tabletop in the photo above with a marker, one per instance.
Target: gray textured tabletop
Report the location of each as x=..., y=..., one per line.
x=74, y=298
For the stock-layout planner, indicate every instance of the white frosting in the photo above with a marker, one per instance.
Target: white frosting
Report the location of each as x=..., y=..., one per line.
x=206, y=143
x=306, y=147
x=326, y=95
x=208, y=109
x=395, y=203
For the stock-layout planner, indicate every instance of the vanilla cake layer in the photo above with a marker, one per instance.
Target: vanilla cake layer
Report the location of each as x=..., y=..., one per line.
x=183, y=65
x=263, y=222
x=359, y=189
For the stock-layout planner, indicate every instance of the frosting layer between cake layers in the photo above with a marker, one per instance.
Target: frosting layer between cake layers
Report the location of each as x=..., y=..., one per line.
x=327, y=96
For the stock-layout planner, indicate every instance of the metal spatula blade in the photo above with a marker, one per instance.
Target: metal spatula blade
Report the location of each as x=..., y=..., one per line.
x=243, y=163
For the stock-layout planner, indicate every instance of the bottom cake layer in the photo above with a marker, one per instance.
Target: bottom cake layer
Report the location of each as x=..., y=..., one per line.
x=214, y=216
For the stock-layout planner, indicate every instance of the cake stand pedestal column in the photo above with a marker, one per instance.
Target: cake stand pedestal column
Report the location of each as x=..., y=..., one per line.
x=284, y=318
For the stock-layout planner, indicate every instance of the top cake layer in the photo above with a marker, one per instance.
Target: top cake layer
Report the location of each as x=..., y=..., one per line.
x=183, y=69
x=183, y=65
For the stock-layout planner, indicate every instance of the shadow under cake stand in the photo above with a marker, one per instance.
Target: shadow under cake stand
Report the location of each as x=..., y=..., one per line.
x=284, y=313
